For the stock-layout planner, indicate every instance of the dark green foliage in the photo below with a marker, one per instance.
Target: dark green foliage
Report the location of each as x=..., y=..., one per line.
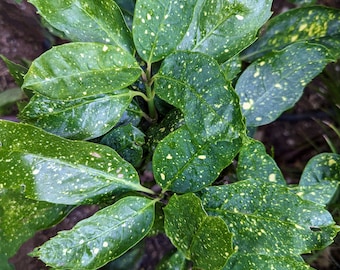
x=151, y=84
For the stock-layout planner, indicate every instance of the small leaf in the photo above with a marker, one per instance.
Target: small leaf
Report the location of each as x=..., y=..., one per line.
x=78, y=70
x=231, y=68
x=255, y=163
x=315, y=24
x=49, y=168
x=156, y=27
x=11, y=96
x=194, y=83
x=203, y=239
x=183, y=164
x=226, y=26
x=82, y=119
x=171, y=121
x=242, y=261
x=320, y=178
x=176, y=261
x=274, y=83
x=91, y=21
x=128, y=141
x=17, y=71
x=21, y=218
x=268, y=219
x=106, y=235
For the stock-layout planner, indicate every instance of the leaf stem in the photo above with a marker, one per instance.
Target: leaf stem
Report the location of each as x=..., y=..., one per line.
x=149, y=92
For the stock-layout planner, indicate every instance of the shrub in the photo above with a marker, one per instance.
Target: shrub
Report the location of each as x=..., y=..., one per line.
x=160, y=85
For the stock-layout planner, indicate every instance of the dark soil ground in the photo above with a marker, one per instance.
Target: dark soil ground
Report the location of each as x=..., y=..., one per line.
x=297, y=136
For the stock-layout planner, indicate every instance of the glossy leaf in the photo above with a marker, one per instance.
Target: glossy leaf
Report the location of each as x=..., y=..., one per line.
x=274, y=84
x=182, y=164
x=20, y=218
x=203, y=239
x=222, y=29
x=242, y=261
x=255, y=163
x=267, y=219
x=128, y=141
x=194, y=83
x=106, y=235
x=156, y=27
x=77, y=70
x=83, y=118
x=231, y=68
x=172, y=121
x=49, y=168
x=17, y=71
x=91, y=21
x=320, y=178
x=175, y=261
x=315, y=24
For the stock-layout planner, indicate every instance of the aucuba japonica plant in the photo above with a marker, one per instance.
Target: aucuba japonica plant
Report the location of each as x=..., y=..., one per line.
x=159, y=84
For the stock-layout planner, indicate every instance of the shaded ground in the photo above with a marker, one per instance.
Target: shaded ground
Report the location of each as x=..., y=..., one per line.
x=297, y=136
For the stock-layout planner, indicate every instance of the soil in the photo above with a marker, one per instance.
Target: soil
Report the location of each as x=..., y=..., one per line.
x=297, y=136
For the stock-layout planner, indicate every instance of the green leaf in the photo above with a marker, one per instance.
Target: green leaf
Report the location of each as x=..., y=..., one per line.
x=315, y=24
x=203, y=239
x=320, y=178
x=241, y=261
x=182, y=164
x=274, y=83
x=83, y=118
x=130, y=260
x=21, y=218
x=175, y=261
x=4, y=264
x=11, y=96
x=231, y=68
x=171, y=121
x=17, y=71
x=128, y=141
x=194, y=83
x=49, y=168
x=156, y=28
x=222, y=29
x=106, y=235
x=268, y=219
x=91, y=21
x=78, y=70
x=255, y=163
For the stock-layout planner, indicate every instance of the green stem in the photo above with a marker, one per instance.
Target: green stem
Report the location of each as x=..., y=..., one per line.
x=150, y=93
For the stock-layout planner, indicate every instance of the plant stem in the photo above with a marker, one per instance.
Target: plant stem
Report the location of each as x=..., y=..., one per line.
x=150, y=93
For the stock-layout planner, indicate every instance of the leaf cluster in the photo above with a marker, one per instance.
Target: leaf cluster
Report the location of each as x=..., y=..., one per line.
x=159, y=85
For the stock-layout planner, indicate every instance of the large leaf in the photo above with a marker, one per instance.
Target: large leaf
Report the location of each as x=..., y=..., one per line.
x=182, y=164
x=21, y=218
x=320, y=178
x=203, y=239
x=269, y=220
x=83, y=118
x=194, y=83
x=316, y=24
x=91, y=21
x=77, y=70
x=100, y=238
x=49, y=168
x=159, y=26
x=255, y=163
x=274, y=83
x=224, y=28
